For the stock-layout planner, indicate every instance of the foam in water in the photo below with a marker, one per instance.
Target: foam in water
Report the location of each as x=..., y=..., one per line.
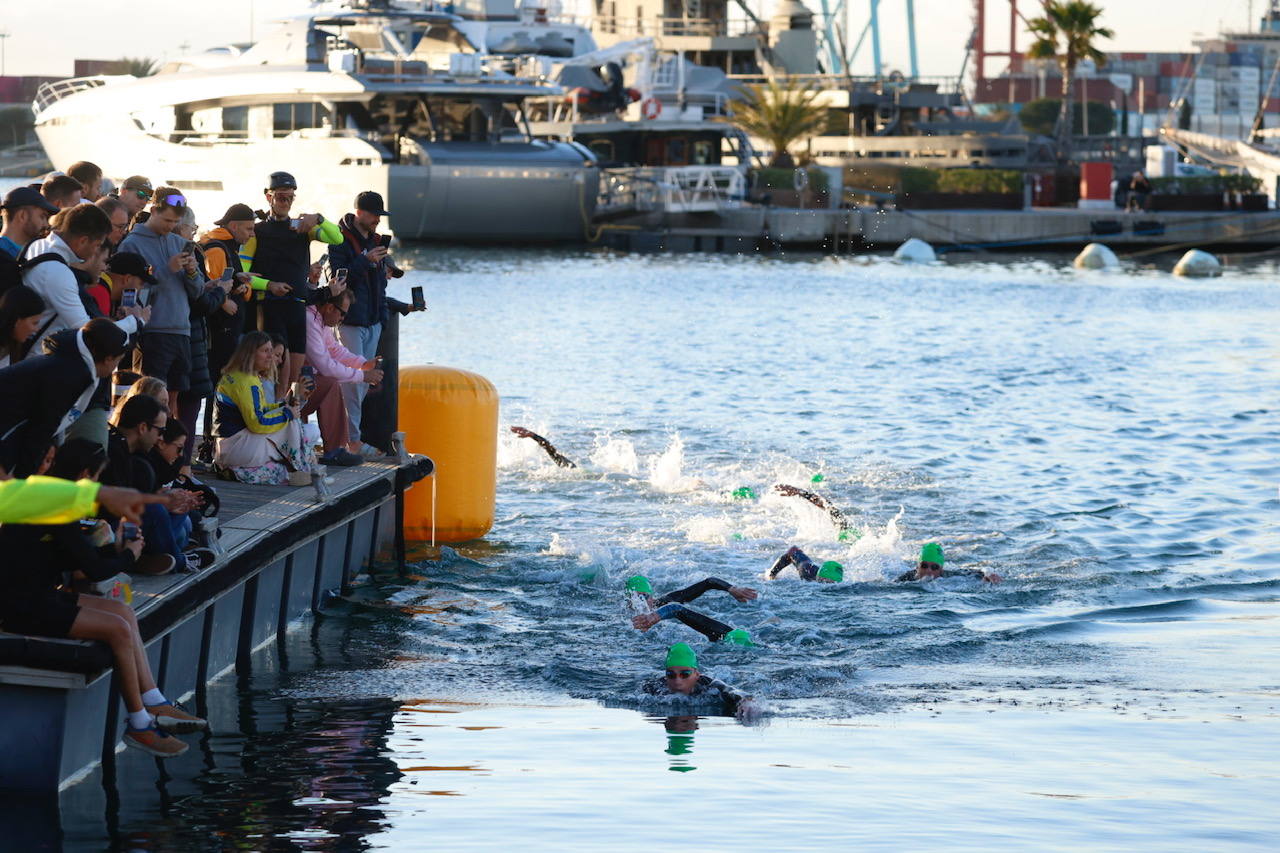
x=666, y=471
x=615, y=455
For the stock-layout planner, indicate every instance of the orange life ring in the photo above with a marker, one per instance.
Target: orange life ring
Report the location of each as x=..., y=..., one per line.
x=651, y=108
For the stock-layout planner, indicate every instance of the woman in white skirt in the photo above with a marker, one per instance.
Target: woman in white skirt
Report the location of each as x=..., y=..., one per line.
x=259, y=439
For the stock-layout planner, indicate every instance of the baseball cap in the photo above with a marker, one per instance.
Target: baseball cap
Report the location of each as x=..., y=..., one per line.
x=27, y=197
x=281, y=181
x=139, y=183
x=131, y=263
x=371, y=202
x=237, y=213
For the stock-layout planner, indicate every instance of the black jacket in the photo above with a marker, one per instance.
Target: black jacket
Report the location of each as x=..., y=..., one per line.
x=366, y=281
x=37, y=555
x=37, y=393
x=207, y=304
x=126, y=468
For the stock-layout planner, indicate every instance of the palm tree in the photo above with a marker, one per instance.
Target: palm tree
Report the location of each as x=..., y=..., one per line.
x=137, y=66
x=1066, y=33
x=779, y=113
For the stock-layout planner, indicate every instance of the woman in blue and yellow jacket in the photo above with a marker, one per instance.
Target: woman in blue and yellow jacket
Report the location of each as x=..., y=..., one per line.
x=259, y=440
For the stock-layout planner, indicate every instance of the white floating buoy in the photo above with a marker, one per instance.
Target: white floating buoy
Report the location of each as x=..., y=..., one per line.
x=1198, y=264
x=1096, y=256
x=915, y=251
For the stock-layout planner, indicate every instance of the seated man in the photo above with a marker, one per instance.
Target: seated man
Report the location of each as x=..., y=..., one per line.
x=671, y=606
x=334, y=365
x=35, y=602
x=930, y=566
x=683, y=678
x=828, y=572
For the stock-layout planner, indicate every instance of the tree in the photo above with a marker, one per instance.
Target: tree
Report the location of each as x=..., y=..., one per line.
x=137, y=66
x=1066, y=33
x=1041, y=116
x=780, y=114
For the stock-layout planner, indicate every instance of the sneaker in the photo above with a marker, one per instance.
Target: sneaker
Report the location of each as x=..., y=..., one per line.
x=368, y=451
x=199, y=558
x=341, y=457
x=174, y=718
x=153, y=741
x=154, y=564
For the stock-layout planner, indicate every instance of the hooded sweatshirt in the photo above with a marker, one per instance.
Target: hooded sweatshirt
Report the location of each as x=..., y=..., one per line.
x=57, y=285
x=172, y=293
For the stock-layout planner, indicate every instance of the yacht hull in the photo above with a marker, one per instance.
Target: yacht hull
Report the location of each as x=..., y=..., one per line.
x=467, y=192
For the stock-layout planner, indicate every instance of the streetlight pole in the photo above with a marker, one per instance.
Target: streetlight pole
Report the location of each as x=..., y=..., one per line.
x=4, y=34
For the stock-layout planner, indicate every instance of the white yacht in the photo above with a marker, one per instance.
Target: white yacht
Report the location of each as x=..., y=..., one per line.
x=354, y=95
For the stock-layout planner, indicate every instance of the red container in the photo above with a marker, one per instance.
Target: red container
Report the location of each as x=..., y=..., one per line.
x=1095, y=181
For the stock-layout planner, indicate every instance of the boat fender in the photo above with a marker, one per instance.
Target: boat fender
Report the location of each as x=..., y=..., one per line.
x=1096, y=256
x=1198, y=263
x=651, y=108
x=915, y=251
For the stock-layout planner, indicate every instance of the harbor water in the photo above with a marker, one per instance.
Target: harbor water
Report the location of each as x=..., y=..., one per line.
x=1105, y=441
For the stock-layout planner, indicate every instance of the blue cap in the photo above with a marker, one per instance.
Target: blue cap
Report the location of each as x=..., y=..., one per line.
x=28, y=197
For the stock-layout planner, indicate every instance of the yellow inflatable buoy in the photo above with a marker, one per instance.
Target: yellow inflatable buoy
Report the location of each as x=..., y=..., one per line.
x=450, y=415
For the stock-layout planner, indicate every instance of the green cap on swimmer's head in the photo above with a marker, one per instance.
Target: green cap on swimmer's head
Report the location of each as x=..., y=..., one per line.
x=682, y=655
x=737, y=637
x=639, y=583
x=817, y=478
x=931, y=553
x=831, y=571
x=745, y=493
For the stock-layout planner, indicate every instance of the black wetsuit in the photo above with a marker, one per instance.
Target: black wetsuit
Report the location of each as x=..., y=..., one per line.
x=807, y=569
x=905, y=577
x=707, y=689
x=671, y=606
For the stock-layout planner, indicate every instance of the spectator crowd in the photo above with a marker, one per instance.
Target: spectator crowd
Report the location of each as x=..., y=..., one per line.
x=121, y=322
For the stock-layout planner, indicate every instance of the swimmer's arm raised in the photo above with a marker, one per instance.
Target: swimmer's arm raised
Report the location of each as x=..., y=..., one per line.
x=796, y=492
x=712, y=629
x=556, y=456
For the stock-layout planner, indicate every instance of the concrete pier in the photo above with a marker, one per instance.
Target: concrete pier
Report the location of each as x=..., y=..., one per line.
x=750, y=228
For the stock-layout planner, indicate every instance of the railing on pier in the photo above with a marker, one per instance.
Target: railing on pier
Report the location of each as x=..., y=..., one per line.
x=671, y=189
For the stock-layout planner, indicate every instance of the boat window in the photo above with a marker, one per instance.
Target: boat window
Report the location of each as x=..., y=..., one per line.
x=677, y=151
x=235, y=120
x=702, y=152
x=603, y=149
x=290, y=117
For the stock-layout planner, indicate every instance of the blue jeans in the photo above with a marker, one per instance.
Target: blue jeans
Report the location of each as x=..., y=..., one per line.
x=165, y=532
x=362, y=341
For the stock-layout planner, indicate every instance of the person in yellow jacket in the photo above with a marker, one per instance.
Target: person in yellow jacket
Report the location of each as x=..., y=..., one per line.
x=258, y=439
x=48, y=500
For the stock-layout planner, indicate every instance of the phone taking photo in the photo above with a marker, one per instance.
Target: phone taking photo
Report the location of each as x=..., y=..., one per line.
x=340, y=275
x=129, y=299
x=419, y=301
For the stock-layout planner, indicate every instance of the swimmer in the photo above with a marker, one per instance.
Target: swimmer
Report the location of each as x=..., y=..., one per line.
x=556, y=456
x=837, y=517
x=682, y=677
x=930, y=566
x=671, y=606
x=828, y=572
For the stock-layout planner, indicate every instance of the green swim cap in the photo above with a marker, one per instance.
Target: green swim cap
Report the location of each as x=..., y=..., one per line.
x=682, y=655
x=817, y=478
x=931, y=553
x=737, y=637
x=849, y=535
x=745, y=493
x=737, y=537
x=639, y=583
x=831, y=571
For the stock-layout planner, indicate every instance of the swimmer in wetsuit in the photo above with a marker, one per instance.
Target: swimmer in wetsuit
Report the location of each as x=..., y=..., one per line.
x=842, y=524
x=682, y=677
x=930, y=566
x=828, y=572
x=671, y=606
x=556, y=456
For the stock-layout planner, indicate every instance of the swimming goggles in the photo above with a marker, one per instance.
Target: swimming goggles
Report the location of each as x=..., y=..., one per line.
x=679, y=673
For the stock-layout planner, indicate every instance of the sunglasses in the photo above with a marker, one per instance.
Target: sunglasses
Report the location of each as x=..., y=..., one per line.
x=680, y=674
x=174, y=200
x=930, y=566
x=143, y=193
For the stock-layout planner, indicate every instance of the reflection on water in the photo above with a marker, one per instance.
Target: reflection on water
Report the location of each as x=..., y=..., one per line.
x=1103, y=441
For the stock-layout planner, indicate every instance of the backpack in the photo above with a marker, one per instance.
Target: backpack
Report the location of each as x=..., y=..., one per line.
x=23, y=265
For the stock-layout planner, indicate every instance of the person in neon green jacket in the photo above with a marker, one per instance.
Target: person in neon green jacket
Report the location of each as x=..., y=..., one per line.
x=48, y=500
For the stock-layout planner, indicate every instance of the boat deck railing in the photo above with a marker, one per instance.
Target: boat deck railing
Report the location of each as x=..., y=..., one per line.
x=51, y=93
x=671, y=189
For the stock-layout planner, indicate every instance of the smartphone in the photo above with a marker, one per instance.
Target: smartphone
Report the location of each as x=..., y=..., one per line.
x=419, y=301
x=129, y=299
x=129, y=531
x=340, y=274
x=190, y=248
x=295, y=224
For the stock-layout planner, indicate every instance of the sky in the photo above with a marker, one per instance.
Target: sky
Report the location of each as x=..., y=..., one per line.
x=45, y=37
